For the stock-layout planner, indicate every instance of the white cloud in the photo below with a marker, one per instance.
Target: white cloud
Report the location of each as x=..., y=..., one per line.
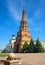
x=12, y=10
x=37, y=14
x=14, y=13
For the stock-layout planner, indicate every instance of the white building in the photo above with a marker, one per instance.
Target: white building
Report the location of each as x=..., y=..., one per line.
x=43, y=44
x=10, y=46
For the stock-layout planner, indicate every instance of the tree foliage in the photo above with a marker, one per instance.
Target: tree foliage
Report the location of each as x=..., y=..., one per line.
x=31, y=46
x=4, y=50
x=38, y=46
x=25, y=47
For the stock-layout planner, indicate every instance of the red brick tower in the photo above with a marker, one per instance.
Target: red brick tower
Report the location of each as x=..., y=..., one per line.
x=23, y=34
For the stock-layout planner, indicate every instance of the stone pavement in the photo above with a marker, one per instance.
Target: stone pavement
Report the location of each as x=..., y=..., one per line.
x=30, y=58
x=1, y=63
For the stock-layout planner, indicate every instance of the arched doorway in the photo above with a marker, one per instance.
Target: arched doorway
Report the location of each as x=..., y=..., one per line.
x=17, y=47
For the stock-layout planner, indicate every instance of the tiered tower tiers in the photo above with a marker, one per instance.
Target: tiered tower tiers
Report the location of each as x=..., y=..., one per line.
x=23, y=34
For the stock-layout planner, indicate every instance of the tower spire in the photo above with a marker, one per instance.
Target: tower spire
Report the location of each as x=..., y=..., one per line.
x=23, y=21
x=23, y=15
x=23, y=8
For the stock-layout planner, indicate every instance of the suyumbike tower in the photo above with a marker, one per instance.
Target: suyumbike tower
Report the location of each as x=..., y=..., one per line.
x=23, y=34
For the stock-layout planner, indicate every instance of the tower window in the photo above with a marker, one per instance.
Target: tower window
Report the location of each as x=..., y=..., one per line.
x=25, y=34
x=25, y=28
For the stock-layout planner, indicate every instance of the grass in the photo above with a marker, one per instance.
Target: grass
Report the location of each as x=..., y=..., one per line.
x=3, y=55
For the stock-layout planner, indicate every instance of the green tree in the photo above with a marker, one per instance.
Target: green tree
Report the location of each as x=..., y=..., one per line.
x=4, y=50
x=38, y=46
x=25, y=47
x=32, y=46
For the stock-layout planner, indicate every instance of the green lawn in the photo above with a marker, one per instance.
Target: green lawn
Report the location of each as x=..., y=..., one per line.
x=3, y=55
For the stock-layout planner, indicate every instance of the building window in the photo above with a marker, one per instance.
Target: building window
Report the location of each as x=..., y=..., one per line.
x=11, y=46
x=7, y=50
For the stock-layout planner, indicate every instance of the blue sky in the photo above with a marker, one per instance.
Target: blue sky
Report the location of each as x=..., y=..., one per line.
x=10, y=18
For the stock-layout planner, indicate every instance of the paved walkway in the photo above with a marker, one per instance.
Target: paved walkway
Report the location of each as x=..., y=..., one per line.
x=34, y=59
x=29, y=58
x=1, y=63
